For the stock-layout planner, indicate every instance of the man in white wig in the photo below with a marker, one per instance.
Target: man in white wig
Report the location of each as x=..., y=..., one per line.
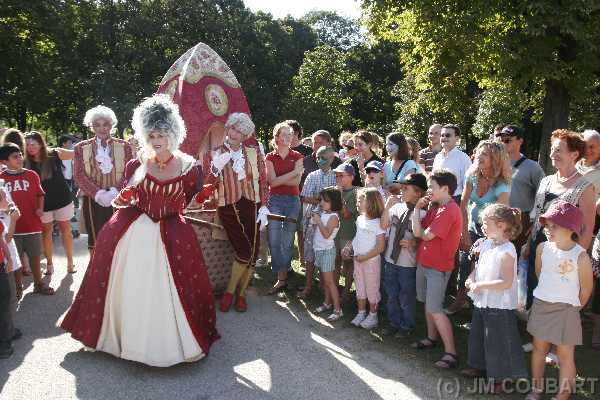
x=98, y=169
x=238, y=174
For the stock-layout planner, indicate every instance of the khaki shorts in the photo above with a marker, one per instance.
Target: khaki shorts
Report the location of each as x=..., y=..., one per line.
x=30, y=244
x=431, y=288
x=60, y=215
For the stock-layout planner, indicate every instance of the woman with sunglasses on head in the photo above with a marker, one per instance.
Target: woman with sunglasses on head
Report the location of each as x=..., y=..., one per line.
x=58, y=202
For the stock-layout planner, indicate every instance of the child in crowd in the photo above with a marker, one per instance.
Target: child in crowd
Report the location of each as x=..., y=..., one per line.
x=494, y=342
x=400, y=259
x=344, y=174
x=326, y=225
x=315, y=182
x=26, y=191
x=565, y=285
x=440, y=236
x=7, y=330
x=367, y=246
x=374, y=171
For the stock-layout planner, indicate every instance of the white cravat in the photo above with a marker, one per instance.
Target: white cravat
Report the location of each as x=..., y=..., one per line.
x=103, y=157
x=239, y=162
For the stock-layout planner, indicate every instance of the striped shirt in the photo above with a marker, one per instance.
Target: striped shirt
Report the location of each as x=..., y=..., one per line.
x=87, y=173
x=317, y=181
x=427, y=156
x=230, y=188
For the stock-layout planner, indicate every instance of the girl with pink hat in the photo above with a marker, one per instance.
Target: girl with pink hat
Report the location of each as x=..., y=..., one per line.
x=565, y=285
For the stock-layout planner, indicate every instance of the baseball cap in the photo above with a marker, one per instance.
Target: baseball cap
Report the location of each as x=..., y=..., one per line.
x=374, y=165
x=417, y=180
x=564, y=214
x=511, y=130
x=345, y=168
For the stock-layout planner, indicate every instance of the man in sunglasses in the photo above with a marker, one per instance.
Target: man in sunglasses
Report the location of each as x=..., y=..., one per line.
x=526, y=177
x=452, y=158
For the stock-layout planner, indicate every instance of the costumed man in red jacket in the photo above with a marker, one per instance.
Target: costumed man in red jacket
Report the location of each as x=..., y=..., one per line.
x=237, y=172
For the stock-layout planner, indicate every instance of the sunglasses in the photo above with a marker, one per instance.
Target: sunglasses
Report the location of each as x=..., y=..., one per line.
x=446, y=135
x=506, y=140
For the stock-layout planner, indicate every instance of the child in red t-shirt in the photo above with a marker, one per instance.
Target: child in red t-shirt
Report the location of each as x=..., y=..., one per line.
x=440, y=233
x=26, y=191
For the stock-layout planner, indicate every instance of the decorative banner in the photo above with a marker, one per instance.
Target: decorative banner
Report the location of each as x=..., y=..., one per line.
x=207, y=92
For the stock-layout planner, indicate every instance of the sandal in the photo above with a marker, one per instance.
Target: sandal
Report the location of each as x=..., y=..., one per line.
x=42, y=288
x=49, y=269
x=448, y=361
x=278, y=288
x=71, y=269
x=424, y=344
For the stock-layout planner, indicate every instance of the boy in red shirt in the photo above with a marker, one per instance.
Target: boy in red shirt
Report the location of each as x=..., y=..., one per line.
x=440, y=233
x=26, y=191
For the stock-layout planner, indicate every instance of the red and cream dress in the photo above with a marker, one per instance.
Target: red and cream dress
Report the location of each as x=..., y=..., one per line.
x=146, y=295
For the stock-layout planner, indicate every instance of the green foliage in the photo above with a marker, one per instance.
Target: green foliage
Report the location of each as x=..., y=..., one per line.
x=320, y=96
x=498, y=105
x=334, y=30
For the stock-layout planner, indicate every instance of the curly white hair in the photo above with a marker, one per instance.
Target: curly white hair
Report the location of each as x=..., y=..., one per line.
x=156, y=114
x=240, y=122
x=99, y=112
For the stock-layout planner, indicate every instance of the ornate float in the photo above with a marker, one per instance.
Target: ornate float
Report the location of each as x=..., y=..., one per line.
x=207, y=91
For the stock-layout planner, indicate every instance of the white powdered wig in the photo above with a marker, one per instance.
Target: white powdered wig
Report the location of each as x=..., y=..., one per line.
x=156, y=114
x=591, y=134
x=240, y=122
x=100, y=112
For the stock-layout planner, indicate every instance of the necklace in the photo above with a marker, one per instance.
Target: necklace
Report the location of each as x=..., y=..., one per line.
x=163, y=164
x=568, y=178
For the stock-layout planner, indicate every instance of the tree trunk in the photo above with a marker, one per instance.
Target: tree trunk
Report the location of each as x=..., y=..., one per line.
x=21, y=117
x=556, y=116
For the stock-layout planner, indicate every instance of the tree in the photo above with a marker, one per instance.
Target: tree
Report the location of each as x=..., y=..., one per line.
x=333, y=29
x=320, y=97
x=547, y=49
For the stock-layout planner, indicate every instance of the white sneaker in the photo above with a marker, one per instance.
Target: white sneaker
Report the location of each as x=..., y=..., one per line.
x=335, y=316
x=323, y=307
x=528, y=347
x=360, y=317
x=370, y=322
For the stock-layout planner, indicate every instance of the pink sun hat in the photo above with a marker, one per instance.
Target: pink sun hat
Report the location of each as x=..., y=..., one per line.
x=564, y=214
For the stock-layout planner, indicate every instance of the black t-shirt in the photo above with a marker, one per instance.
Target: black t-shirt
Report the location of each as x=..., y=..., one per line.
x=57, y=190
x=303, y=149
x=357, y=181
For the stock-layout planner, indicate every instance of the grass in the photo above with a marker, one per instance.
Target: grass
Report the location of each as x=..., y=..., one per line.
x=587, y=359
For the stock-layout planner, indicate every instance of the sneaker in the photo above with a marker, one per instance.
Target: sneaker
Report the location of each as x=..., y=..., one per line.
x=360, y=317
x=551, y=359
x=336, y=315
x=528, y=347
x=370, y=322
x=323, y=307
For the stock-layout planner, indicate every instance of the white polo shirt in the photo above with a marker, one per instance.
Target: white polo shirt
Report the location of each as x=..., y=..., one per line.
x=457, y=162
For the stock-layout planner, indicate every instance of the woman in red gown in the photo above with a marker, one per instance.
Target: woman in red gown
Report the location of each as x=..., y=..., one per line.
x=146, y=296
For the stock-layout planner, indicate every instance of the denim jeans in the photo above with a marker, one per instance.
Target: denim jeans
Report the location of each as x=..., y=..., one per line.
x=495, y=344
x=400, y=286
x=281, y=234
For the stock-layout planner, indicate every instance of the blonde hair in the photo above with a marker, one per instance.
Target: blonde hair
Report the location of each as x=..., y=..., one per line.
x=501, y=168
x=415, y=147
x=344, y=136
x=374, y=201
x=502, y=213
x=276, y=130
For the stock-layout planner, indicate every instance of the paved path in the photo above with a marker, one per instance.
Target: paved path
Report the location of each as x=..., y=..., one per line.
x=271, y=352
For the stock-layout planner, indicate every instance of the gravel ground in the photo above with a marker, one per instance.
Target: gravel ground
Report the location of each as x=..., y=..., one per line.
x=277, y=350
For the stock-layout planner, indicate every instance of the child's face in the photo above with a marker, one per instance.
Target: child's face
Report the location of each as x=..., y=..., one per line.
x=15, y=161
x=325, y=205
x=494, y=229
x=361, y=204
x=343, y=180
x=373, y=178
x=410, y=194
x=438, y=193
x=556, y=233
